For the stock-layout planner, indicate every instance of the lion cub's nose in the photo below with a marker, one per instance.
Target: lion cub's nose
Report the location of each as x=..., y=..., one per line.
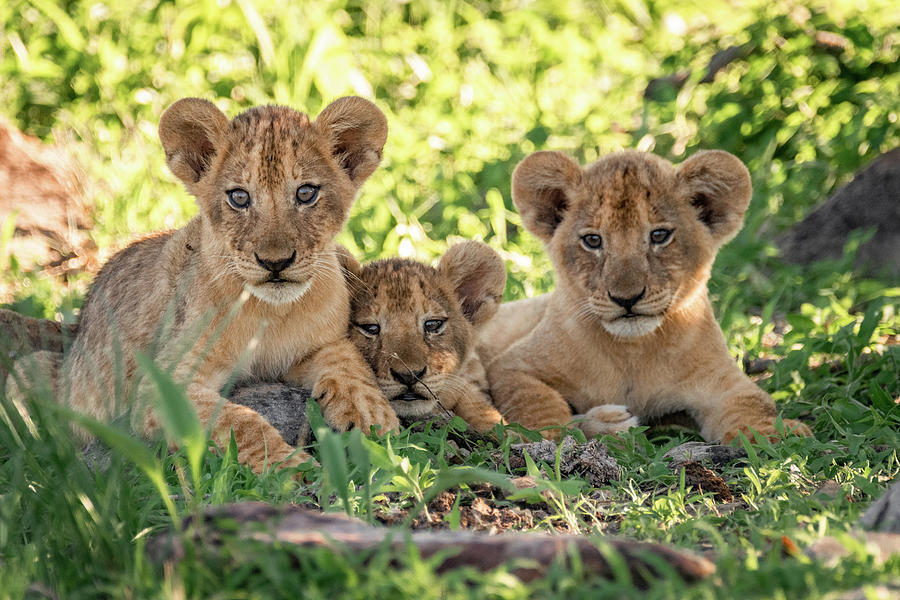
x=627, y=303
x=278, y=265
x=408, y=377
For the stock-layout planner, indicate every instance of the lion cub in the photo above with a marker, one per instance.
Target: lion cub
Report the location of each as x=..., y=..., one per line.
x=250, y=287
x=629, y=331
x=417, y=326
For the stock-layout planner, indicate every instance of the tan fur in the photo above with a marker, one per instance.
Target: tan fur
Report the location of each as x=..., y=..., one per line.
x=202, y=301
x=576, y=349
x=419, y=371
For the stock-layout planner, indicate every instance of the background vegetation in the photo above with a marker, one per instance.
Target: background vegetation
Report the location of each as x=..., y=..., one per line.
x=470, y=88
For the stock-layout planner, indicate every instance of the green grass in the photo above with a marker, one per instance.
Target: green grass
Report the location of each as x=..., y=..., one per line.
x=469, y=90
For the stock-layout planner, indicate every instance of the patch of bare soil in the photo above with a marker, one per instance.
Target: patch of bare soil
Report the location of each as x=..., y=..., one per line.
x=478, y=508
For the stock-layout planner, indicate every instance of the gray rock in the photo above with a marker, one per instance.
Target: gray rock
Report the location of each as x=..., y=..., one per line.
x=283, y=406
x=870, y=201
x=716, y=454
x=884, y=515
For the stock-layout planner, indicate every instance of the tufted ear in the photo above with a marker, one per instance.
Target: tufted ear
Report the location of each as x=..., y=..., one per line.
x=540, y=187
x=357, y=130
x=191, y=131
x=478, y=276
x=719, y=187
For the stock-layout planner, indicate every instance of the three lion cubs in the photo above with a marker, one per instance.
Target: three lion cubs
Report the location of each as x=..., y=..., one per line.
x=253, y=287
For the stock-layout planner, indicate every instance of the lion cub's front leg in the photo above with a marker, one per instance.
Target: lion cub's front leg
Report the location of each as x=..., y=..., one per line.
x=743, y=408
x=467, y=401
x=344, y=386
x=523, y=398
x=259, y=444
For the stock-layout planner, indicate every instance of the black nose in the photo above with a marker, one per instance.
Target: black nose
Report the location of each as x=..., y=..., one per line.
x=408, y=377
x=276, y=266
x=627, y=303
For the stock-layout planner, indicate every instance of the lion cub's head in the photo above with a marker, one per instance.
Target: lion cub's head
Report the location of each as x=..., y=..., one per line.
x=414, y=324
x=631, y=236
x=273, y=187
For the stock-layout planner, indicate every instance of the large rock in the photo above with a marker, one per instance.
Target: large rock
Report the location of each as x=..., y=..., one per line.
x=870, y=201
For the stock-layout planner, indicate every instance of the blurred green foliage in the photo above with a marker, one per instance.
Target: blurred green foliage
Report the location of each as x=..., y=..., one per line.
x=469, y=88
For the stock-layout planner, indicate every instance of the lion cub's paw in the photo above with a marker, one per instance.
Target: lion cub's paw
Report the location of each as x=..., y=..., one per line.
x=768, y=430
x=606, y=418
x=346, y=406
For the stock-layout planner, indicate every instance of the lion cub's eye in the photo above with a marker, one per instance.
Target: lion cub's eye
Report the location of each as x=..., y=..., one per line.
x=434, y=325
x=307, y=193
x=660, y=236
x=369, y=329
x=592, y=241
x=238, y=198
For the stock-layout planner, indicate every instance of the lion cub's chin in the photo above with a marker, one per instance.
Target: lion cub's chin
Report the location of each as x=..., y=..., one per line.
x=414, y=408
x=279, y=293
x=633, y=326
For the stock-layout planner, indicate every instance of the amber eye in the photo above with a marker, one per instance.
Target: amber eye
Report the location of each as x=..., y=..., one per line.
x=369, y=329
x=434, y=325
x=660, y=236
x=307, y=193
x=238, y=198
x=592, y=241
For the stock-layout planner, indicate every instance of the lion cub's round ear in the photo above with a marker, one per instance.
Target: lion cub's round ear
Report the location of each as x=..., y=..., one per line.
x=719, y=186
x=478, y=276
x=357, y=130
x=191, y=132
x=540, y=186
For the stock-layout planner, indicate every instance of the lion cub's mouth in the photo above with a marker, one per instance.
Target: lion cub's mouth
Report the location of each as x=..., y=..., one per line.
x=633, y=324
x=410, y=403
x=409, y=396
x=277, y=290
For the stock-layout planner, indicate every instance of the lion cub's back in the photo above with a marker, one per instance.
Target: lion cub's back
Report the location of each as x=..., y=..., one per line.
x=121, y=313
x=513, y=321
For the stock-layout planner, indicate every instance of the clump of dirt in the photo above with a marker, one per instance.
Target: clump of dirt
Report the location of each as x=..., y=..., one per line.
x=590, y=460
x=706, y=480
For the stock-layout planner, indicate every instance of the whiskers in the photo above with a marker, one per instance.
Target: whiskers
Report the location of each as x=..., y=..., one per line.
x=587, y=311
x=419, y=381
x=228, y=268
x=354, y=283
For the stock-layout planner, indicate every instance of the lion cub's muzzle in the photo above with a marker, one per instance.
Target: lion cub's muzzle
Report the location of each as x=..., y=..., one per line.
x=408, y=393
x=628, y=303
x=631, y=315
x=412, y=380
x=279, y=279
x=275, y=266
